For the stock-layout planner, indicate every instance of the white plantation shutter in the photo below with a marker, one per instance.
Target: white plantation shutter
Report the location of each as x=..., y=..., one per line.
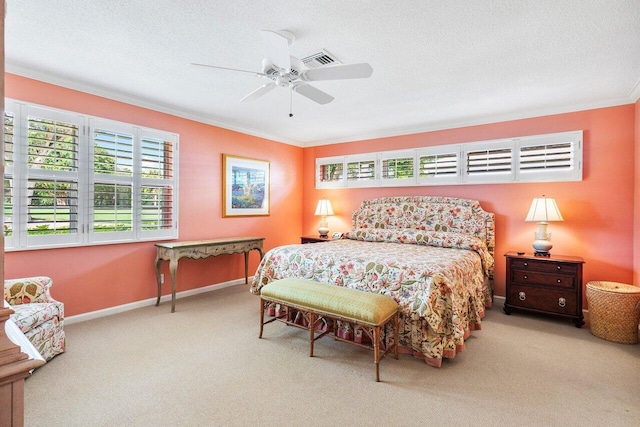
x=397, y=168
x=111, y=181
x=550, y=157
x=330, y=172
x=488, y=162
x=48, y=192
x=73, y=180
x=438, y=165
x=157, y=192
x=7, y=216
x=361, y=171
x=538, y=158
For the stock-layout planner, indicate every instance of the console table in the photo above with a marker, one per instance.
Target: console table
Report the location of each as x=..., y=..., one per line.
x=198, y=249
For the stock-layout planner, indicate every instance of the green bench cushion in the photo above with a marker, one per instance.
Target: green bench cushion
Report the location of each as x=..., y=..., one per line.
x=350, y=304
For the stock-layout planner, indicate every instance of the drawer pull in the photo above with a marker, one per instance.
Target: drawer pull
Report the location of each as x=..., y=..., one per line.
x=525, y=276
x=559, y=281
x=558, y=267
x=522, y=296
x=525, y=264
x=562, y=302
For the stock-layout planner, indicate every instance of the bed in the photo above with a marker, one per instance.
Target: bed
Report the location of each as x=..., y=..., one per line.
x=433, y=255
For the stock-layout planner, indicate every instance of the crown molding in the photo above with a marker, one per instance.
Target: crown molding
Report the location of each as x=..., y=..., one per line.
x=634, y=95
x=139, y=102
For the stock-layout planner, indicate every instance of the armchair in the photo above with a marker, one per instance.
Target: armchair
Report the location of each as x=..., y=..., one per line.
x=37, y=314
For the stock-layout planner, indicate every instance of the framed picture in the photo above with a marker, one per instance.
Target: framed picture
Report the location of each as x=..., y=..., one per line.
x=245, y=186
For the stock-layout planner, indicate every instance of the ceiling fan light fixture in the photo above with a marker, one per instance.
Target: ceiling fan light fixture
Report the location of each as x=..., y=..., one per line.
x=283, y=81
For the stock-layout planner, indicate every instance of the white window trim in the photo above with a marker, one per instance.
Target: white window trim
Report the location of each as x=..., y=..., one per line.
x=514, y=175
x=85, y=236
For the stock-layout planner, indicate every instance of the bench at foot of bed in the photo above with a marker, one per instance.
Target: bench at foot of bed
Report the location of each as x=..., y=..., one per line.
x=321, y=302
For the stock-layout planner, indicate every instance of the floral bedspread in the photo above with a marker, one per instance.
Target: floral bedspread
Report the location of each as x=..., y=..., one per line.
x=437, y=278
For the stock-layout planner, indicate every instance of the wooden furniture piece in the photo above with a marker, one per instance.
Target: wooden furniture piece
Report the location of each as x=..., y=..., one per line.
x=198, y=249
x=550, y=285
x=311, y=239
x=317, y=301
x=15, y=367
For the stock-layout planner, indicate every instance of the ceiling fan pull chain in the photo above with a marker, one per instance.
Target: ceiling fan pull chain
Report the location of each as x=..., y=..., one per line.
x=290, y=101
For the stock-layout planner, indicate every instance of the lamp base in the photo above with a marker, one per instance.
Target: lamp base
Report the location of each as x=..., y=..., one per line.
x=541, y=253
x=542, y=245
x=323, y=232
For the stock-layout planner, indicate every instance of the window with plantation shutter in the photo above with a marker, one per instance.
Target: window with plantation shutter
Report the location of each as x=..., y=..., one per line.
x=157, y=184
x=50, y=200
x=8, y=178
x=550, y=158
x=545, y=157
x=52, y=206
x=438, y=165
x=361, y=171
x=8, y=140
x=330, y=172
x=112, y=181
x=537, y=158
x=397, y=168
x=72, y=179
x=492, y=162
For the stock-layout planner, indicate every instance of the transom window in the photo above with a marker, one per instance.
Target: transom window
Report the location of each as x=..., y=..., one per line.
x=539, y=158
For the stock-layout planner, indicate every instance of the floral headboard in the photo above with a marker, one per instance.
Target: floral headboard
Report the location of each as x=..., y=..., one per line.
x=428, y=213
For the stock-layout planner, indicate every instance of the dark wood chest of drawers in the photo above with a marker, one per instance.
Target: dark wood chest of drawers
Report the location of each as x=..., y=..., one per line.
x=551, y=285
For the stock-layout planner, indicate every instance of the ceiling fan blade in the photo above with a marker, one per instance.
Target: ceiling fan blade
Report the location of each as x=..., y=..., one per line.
x=339, y=72
x=259, y=92
x=229, y=69
x=313, y=93
x=277, y=46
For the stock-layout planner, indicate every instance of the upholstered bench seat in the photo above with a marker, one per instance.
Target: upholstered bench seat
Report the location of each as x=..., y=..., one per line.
x=317, y=300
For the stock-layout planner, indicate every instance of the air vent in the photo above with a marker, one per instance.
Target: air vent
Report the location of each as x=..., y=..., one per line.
x=320, y=59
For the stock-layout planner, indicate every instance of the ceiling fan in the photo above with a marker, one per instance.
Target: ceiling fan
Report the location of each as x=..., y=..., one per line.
x=285, y=70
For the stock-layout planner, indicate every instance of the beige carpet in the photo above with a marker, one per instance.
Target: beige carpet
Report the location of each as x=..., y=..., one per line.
x=204, y=366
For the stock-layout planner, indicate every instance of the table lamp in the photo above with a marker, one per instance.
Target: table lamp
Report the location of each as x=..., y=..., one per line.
x=543, y=209
x=324, y=209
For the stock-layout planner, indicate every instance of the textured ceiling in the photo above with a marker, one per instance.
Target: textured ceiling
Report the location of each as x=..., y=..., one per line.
x=436, y=64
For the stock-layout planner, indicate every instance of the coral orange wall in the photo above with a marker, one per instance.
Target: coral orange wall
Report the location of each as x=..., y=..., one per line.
x=97, y=277
x=598, y=210
x=636, y=222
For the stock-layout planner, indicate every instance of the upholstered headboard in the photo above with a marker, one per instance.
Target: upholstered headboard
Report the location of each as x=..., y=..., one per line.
x=428, y=213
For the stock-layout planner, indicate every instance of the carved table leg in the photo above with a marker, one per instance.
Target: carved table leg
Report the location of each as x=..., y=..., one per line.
x=158, y=263
x=246, y=267
x=173, y=269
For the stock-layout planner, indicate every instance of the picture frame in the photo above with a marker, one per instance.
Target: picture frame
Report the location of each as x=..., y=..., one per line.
x=245, y=186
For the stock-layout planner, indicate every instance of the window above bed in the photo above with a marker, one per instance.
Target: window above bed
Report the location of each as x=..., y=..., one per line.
x=539, y=158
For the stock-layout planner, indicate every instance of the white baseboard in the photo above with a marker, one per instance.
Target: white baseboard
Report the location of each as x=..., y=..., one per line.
x=151, y=301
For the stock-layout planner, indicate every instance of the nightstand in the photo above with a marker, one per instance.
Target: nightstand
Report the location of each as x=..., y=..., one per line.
x=312, y=239
x=550, y=285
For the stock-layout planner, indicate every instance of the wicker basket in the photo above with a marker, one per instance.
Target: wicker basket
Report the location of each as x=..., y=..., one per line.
x=614, y=311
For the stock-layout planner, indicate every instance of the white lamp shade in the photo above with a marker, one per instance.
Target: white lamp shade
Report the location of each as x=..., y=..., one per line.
x=324, y=208
x=544, y=209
